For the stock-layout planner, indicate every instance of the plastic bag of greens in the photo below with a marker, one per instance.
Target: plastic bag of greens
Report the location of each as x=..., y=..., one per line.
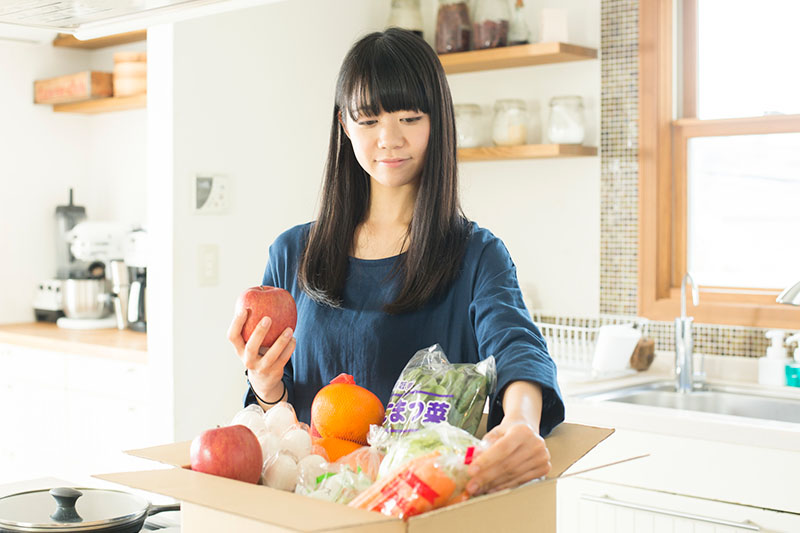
x=431, y=390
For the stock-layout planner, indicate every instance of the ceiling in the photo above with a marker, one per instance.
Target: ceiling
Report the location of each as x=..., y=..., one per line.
x=89, y=19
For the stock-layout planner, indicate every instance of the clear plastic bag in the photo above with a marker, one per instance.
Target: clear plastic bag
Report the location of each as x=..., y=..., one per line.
x=442, y=438
x=428, y=471
x=336, y=483
x=431, y=390
x=366, y=459
x=286, y=445
x=251, y=417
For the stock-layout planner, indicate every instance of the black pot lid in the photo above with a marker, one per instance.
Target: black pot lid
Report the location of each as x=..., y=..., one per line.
x=67, y=509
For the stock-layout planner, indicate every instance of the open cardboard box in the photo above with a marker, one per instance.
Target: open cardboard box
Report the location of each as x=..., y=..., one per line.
x=214, y=504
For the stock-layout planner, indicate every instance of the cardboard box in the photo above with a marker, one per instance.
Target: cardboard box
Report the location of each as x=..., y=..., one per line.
x=76, y=87
x=213, y=504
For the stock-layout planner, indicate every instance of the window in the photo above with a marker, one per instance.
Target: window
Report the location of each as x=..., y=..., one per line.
x=719, y=158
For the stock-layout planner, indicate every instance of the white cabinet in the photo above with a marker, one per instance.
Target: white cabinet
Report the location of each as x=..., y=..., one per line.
x=586, y=506
x=67, y=415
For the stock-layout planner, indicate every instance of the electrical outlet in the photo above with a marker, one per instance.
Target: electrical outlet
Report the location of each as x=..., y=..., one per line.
x=207, y=265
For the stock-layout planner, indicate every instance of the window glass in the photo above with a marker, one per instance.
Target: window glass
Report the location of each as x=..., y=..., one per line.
x=743, y=210
x=747, y=58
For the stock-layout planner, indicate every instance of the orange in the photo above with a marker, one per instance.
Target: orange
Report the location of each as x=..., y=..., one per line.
x=345, y=411
x=337, y=448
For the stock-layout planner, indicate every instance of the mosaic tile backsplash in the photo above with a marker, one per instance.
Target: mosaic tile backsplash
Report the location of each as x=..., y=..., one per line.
x=619, y=190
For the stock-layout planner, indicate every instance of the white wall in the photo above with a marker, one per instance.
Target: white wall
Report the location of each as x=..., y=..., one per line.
x=252, y=93
x=118, y=148
x=252, y=96
x=546, y=211
x=43, y=154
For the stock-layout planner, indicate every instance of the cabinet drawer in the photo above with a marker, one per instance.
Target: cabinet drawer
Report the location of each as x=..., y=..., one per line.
x=117, y=379
x=596, y=507
x=27, y=366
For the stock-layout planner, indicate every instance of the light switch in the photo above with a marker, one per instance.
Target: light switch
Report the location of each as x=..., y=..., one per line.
x=207, y=265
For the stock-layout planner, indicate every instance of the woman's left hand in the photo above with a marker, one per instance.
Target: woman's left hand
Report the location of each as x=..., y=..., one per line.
x=516, y=454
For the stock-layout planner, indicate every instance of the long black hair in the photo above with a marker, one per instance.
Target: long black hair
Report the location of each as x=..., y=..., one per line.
x=394, y=70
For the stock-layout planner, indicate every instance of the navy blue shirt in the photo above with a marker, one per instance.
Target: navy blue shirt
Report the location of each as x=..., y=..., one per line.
x=481, y=314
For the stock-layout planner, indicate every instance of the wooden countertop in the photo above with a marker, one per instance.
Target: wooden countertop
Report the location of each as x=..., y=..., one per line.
x=124, y=345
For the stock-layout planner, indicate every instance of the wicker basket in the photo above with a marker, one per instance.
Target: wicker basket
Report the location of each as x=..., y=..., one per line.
x=571, y=340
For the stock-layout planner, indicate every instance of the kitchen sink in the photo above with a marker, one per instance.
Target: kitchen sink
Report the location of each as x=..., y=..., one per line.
x=709, y=398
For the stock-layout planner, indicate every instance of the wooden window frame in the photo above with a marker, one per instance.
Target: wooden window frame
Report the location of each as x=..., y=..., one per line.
x=662, y=180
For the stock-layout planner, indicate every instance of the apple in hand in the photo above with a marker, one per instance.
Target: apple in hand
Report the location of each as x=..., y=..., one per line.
x=231, y=451
x=273, y=302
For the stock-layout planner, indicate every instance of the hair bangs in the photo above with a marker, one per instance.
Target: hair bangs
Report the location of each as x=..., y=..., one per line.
x=382, y=78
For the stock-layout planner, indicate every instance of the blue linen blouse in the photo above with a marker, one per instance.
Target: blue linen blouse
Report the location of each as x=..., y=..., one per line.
x=481, y=314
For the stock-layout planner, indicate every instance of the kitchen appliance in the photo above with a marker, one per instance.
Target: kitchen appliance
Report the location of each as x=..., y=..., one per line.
x=67, y=217
x=87, y=292
x=86, y=298
x=48, y=304
x=136, y=258
x=48, y=301
x=66, y=509
x=120, y=288
x=97, y=241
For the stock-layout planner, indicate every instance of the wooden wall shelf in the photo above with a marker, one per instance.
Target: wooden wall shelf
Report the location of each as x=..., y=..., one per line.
x=103, y=105
x=69, y=41
x=525, y=151
x=523, y=55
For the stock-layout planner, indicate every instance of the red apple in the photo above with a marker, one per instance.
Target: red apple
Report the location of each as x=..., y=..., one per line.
x=230, y=451
x=263, y=301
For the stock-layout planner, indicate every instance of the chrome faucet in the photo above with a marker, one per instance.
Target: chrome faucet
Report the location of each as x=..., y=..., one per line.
x=684, y=368
x=790, y=295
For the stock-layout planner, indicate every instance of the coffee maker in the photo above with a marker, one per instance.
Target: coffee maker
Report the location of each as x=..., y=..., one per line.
x=67, y=217
x=48, y=301
x=136, y=259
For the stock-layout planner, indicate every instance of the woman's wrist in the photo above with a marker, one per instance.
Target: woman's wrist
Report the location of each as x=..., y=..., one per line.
x=268, y=396
x=522, y=403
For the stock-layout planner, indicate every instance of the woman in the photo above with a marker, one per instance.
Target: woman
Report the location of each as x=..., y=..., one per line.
x=391, y=265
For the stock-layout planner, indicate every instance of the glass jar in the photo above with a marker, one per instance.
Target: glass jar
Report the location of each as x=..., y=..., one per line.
x=518, y=30
x=566, y=123
x=510, y=125
x=406, y=14
x=452, y=27
x=469, y=127
x=490, y=24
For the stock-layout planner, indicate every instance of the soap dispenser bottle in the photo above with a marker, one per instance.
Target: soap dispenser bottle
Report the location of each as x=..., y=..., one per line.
x=790, y=340
x=772, y=368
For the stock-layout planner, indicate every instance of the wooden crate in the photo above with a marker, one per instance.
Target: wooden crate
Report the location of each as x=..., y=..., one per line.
x=76, y=87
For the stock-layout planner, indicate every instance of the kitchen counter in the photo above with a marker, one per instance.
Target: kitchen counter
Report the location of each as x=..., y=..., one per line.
x=745, y=461
x=123, y=345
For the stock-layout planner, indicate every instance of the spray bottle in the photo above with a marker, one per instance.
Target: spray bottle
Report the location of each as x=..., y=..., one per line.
x=772, y=368
x=793, y=369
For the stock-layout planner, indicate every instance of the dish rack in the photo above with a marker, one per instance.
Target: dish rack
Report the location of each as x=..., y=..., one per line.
x=571, y=339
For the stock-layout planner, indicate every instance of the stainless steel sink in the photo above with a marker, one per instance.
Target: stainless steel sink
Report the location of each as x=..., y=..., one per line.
x=719, y=399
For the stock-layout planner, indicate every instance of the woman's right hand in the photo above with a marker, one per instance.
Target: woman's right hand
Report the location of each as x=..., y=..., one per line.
x=264, y=365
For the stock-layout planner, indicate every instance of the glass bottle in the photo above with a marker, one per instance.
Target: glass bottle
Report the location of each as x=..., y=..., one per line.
x=406, y=14
x=518, y=31
x=510, y=125
x=566, y=123
x=452, y=27
x=469, y=130
x=490, y=24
